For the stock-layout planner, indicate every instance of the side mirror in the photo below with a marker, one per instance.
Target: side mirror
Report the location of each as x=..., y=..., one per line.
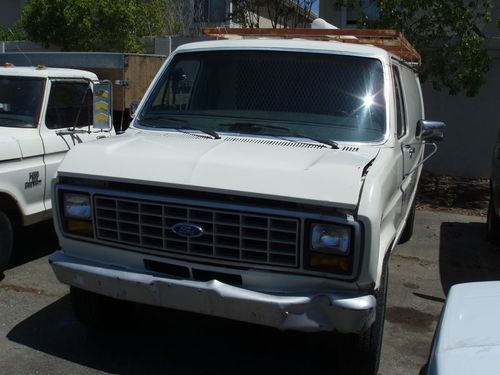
x=102, y=105
x=430, y=131
x=133, y=108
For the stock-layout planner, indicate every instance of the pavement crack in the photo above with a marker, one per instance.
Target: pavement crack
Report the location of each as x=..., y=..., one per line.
x=421, y=262
x=23, y=289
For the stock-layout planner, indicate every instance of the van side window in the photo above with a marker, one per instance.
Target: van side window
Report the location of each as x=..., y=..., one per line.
x=70, y=104
x=400, y=107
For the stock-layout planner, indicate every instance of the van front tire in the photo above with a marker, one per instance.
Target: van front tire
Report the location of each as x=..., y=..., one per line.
x=369, y=343
x=410, y=223
x=492, y=223
x=6, y=241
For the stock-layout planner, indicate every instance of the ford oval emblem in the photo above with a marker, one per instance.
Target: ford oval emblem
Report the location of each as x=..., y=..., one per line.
x=187, y=230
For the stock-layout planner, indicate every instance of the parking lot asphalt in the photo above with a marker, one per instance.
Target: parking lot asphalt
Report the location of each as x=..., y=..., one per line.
x=40, y=335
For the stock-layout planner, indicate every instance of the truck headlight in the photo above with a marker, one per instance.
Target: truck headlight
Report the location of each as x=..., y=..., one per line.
x=77, y=206
x=329, y=247
x=331, y=239
x=77, y=214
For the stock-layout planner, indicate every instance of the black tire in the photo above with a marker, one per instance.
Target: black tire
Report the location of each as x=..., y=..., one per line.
x=410, y=222
x=97, y=311
x=492, y=224
x=369, y=343
x=6, y=241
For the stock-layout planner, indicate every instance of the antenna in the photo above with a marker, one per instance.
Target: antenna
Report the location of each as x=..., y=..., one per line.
x=17, y=46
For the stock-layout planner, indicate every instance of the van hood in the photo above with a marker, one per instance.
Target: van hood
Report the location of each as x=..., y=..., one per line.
x=248, y=166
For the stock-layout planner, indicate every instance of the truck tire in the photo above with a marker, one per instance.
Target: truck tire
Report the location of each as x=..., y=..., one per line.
x=6, y=241
x=492, y=224
x=408, y=229
x=97, y=311
x=369, y=343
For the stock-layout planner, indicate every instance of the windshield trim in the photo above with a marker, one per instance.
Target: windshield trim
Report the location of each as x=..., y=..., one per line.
x=383, y=58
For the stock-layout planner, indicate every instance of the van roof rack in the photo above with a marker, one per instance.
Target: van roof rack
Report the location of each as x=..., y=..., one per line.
x=390, y=40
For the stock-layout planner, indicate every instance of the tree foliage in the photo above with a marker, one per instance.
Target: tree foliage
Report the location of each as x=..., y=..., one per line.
x=446, y=33
x=93, y=25
x=15, y=32
x=285, y=14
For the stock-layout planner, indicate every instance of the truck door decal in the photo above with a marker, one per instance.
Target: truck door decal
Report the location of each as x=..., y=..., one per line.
x=33, y=180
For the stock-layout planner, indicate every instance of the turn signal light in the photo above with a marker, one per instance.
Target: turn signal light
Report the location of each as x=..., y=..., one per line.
x=324, y=260
x=79, y=227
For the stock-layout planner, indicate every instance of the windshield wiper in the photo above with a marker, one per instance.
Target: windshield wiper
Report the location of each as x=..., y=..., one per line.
x=324, y=141
x=248, y=126
x=252, y=126
x=160, y=117
x=209, y=132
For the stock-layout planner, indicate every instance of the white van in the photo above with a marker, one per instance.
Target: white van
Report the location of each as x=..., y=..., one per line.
x=262, y=180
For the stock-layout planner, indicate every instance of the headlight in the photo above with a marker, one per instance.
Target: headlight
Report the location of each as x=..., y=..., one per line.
x=77, y=206
x=77, y=214
x=331, y=239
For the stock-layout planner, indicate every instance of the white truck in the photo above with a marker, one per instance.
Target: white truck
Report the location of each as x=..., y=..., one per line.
x=266, y=181
x=44, y=112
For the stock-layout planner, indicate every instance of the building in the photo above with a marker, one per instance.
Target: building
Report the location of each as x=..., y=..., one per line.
x=10, y=12
x=213, y=13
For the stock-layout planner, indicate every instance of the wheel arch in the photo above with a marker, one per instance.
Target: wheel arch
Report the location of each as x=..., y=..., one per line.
x=10, y=207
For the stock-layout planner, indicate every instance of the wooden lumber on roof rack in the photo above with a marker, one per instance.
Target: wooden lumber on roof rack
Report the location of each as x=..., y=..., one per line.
x=391, y=40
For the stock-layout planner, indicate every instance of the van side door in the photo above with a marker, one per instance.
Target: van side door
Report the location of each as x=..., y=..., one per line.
x=409, y=108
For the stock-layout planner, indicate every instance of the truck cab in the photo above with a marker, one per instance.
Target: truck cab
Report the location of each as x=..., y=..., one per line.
x=44, y=112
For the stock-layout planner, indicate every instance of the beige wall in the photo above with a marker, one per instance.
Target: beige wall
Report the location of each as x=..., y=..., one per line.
x=472, y=126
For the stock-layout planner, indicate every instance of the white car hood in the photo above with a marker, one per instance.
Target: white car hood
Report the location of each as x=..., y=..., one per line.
x=468, y=340
x=258, y=167
x=9, y=148
x=17, y=143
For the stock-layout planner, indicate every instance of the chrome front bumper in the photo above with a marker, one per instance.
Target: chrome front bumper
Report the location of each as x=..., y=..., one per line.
x=343, y=312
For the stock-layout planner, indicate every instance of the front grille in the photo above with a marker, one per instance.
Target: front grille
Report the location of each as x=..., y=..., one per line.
x=231, y=235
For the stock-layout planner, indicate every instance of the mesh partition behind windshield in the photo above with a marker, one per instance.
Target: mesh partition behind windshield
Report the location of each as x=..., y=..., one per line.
x=301, y=84
x=287, y=82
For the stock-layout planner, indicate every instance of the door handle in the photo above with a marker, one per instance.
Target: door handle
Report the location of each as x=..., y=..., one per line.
x=409, y=149
x=433, y=145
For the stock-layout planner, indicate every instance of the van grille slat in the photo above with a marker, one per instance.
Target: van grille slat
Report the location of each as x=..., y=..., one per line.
x=231, y=235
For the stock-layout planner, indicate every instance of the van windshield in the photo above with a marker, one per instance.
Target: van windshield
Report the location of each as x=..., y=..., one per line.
x=286, y=94
x=20, y=101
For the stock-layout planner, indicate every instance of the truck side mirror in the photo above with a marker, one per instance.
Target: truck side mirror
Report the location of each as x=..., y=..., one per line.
x=102, y=105
x=430, y=131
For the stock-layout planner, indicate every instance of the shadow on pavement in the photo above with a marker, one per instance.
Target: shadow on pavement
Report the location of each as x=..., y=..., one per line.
x=465, y=255
x=33, y=242
x=166, y=341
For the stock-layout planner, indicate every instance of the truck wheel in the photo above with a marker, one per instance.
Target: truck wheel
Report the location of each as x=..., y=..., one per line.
x=98, y=311
x=492, y=224
x=410, y=221
x=6, y=241
x=369, y=343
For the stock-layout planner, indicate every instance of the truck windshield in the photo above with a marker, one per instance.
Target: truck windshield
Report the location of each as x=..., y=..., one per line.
x=287, y=94
x=20, y=100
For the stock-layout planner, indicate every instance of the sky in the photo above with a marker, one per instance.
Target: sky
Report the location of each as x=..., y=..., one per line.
x=315, y=7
